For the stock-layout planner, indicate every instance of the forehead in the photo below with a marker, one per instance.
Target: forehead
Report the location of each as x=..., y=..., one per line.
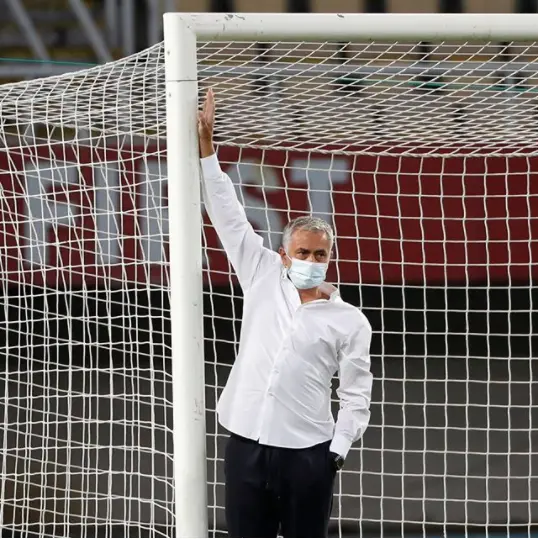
x=310, y=240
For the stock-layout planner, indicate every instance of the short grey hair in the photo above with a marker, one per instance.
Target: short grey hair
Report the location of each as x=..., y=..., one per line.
x=311, y=224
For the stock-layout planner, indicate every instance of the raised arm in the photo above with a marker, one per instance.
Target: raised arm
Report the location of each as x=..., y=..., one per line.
x=243, y=246
x=355, y=389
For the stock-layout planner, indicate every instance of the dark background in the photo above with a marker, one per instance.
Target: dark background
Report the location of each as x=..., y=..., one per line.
x=450, y=447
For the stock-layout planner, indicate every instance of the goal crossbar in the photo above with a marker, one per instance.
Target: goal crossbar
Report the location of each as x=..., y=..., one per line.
x=355, y=26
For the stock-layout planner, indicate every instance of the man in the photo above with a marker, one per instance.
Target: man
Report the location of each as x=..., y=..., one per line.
x=285, y=449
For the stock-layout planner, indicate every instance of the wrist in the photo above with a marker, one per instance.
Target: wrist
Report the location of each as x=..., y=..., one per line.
x=206, y=147
x=337, y=460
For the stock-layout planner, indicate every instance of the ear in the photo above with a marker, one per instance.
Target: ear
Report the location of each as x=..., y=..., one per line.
x=284, y=257
x=332, y=252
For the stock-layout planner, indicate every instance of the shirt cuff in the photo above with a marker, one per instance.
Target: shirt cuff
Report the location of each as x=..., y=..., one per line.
x=340, y=445
x=211, y=167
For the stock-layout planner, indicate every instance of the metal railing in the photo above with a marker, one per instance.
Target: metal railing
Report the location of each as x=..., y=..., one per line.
x=118, y=28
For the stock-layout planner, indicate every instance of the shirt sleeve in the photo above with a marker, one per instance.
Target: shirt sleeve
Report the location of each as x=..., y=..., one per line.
x=243, y=246
x=355, y=390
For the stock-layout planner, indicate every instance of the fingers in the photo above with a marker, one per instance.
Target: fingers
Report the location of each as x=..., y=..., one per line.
x=210, y=103
x=206, y=116
x=206, y=102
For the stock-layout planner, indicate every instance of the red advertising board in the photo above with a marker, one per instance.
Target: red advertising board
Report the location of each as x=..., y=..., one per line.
x=70, y=215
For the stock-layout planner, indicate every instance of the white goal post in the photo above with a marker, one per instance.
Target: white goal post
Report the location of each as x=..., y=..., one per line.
x=183, y=33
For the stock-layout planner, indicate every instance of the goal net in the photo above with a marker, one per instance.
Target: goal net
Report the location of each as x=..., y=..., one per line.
x=423, y=158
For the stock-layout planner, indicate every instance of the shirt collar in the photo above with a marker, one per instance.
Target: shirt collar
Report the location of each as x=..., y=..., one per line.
x=330, y=290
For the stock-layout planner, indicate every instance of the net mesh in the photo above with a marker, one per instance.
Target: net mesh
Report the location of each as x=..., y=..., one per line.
x=422, y=156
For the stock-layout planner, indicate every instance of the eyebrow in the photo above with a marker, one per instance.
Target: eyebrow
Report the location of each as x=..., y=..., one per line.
x=324, y=251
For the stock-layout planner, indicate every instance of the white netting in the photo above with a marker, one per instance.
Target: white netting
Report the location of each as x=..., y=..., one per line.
x=426, y=166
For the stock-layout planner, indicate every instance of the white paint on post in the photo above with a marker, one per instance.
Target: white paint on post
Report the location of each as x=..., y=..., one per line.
x=190, y=474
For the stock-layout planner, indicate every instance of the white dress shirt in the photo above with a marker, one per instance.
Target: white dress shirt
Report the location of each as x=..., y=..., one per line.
x=279, y=389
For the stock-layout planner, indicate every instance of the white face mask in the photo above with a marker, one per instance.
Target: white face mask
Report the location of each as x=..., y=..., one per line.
x=305, y=274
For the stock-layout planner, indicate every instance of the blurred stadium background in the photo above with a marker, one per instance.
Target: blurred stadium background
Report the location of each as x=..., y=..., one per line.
x=96, y=31
x=47, y=37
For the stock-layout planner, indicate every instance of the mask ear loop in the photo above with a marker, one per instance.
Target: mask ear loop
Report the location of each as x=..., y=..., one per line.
x=289, y=257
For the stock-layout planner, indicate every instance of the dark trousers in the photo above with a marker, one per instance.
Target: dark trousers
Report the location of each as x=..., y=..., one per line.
x=271, y=490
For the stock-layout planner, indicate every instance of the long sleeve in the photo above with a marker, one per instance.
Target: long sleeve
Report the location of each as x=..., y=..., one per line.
x=243, y=246
x=355, y=390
